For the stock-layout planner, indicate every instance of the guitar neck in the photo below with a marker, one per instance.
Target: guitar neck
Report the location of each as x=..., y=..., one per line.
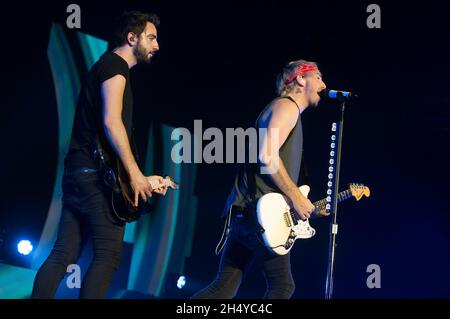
x=321, y=204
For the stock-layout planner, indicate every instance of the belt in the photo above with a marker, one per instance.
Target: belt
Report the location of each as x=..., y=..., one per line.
x=88, y=170
x=239, y=212
x=80, y=170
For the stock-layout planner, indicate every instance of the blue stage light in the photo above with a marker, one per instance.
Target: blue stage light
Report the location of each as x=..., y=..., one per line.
x=24, y=247
x=181, y=282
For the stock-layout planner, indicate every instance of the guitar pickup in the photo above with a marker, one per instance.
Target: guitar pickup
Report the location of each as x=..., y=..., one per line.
x=287, y=220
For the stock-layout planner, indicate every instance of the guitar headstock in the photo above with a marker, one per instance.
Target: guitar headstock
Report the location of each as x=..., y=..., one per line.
x=359, y=190
x=166, y=182
x=170, y=182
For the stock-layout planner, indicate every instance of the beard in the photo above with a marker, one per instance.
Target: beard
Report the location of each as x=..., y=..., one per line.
x=141, y=54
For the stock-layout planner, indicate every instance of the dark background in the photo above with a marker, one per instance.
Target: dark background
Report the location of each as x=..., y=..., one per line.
x=218, y=62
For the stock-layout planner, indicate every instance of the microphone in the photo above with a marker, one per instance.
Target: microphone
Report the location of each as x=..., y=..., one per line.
x=338, y=95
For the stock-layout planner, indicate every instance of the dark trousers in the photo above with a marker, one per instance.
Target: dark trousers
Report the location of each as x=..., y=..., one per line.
x=243, y=247
x=86, y=213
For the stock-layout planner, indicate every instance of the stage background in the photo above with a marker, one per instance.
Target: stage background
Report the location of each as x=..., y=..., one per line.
x=218, y=62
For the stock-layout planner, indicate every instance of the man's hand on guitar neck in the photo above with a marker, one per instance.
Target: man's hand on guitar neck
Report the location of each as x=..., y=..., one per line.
x=321, y=213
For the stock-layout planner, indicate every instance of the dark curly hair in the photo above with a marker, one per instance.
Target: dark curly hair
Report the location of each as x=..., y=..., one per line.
x=132, y=21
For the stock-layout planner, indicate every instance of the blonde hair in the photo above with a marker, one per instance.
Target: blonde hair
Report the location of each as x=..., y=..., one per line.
x=288, y=70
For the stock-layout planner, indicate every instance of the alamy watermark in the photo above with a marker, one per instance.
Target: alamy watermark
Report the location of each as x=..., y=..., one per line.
x=374, y=279
x=73, y=21
x=74, y=279
x=374, y=19
x=227, y=148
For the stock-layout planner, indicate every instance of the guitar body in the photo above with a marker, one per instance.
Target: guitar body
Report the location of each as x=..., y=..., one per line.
x=122, y=195
x=281, y=224
x=281, y=228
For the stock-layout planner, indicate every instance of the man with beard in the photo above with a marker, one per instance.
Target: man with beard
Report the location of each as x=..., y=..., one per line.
x=278, y=169
x=104, y=116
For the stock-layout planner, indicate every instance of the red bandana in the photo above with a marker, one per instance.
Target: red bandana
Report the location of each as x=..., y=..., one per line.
x=301, y=70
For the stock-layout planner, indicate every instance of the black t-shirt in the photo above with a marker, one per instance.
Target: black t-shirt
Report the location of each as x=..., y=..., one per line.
x=88, y=115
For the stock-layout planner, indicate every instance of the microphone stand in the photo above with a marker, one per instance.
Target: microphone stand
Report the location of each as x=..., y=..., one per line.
x=334, y=200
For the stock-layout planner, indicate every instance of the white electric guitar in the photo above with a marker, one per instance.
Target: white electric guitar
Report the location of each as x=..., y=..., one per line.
x=282, y=226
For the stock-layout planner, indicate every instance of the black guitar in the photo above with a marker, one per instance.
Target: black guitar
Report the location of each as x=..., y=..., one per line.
x=122, y=194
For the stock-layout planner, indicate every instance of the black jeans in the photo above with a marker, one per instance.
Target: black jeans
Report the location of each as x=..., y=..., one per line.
x=86, y=213
x=243, y=247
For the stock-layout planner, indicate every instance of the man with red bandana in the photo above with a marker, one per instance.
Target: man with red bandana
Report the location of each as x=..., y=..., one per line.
x=278, y=169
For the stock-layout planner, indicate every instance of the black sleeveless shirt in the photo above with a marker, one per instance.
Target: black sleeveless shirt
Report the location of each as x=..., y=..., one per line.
x=250, y=184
